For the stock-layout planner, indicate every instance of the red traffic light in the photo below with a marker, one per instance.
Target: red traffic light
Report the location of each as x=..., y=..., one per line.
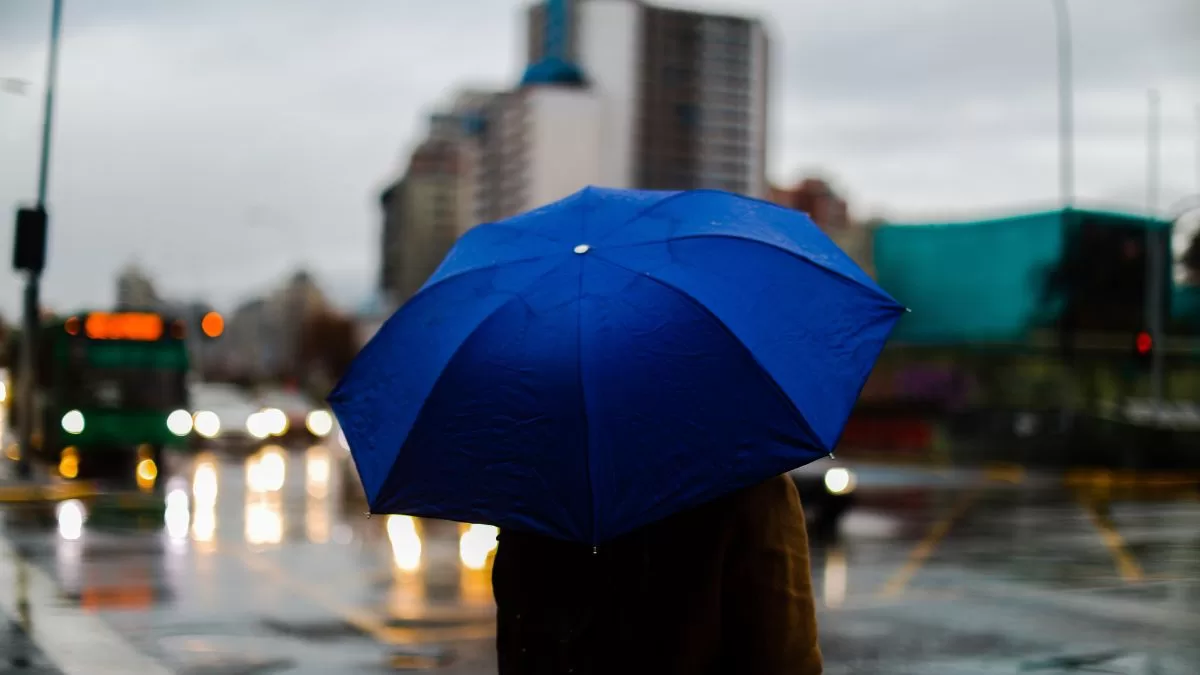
x=1144, y=343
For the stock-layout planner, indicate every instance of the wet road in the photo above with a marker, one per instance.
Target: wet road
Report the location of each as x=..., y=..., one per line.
x=262, y=561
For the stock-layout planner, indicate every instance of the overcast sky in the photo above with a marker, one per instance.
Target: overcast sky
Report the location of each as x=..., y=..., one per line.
x=221, y=143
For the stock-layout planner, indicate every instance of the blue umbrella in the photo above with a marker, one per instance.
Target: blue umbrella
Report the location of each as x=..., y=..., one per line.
x=611, y=359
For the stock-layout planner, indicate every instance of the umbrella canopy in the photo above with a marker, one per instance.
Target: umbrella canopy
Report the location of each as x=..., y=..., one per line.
x=611, y=359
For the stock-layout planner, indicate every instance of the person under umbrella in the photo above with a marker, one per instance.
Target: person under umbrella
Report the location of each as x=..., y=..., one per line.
x=617, y=381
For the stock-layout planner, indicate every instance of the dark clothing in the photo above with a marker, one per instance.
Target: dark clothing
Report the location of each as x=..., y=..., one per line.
x=723, y=589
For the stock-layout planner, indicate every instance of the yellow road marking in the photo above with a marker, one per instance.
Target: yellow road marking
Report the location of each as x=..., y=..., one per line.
x=1006, y=472
x=924, y=548
x=1127, y=564
x=19, y=494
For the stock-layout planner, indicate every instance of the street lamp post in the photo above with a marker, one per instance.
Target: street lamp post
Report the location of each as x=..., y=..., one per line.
x=1066, y=132
x=33, y=278
x=1157, y=264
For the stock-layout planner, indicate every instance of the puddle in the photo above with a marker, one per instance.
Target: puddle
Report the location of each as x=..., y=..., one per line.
x=228, y=655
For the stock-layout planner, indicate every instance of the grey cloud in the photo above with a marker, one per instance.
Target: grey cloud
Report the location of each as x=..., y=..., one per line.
x=223, y=142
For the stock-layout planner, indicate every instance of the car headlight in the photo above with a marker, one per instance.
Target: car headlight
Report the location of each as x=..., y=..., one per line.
x=207, y=423
x=319, y=423
x=258, y=426
x=179, y=422
x=72, y=422
x=839, y=481
x=276, y=422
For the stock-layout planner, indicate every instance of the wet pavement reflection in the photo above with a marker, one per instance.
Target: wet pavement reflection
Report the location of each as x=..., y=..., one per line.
x=263, y=558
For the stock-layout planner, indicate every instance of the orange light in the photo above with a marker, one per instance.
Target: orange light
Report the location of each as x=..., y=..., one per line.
x=213, y=324
x=116, y=597
x=1144, y=343
x=124, y=326
x=71, y=325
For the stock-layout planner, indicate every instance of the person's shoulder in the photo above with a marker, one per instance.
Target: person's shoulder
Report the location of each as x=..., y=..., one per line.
x=776, y=487
x=778, y=492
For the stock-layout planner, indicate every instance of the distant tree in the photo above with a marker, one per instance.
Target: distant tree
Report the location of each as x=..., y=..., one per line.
x=1191, y=259
x=328, y=343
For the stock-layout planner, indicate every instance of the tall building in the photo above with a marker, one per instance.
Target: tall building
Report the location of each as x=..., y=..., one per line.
x=262, y=335
x=616, y=93
x=434, y=202
x=543, y=140
x=684, y=94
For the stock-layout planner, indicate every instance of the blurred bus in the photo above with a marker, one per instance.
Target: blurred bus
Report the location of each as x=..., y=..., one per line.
x=111, y=394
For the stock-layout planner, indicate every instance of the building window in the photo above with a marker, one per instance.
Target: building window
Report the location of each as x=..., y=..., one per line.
x=687, y=115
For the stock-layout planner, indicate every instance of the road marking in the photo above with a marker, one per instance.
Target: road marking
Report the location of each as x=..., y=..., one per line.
x=54, y=492
x=364, y=621
x=1127, y=564
x=373, y=625
x=924, y=548
x=1006, y=472
x=76, y=642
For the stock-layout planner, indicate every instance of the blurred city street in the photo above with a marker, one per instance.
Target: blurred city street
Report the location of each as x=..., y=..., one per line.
x=263, y=560
x=581, y=269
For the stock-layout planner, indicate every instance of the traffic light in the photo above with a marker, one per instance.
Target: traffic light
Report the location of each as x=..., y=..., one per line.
x=1143, y=349
x=29, y=242
x=213, y=325
x=1144, y=343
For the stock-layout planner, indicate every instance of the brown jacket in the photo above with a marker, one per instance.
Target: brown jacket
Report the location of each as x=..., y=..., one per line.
x=723, y=589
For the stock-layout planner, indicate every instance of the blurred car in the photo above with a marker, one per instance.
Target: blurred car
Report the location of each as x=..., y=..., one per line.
x=827, y=490
x=288, y=415
x=221, y=413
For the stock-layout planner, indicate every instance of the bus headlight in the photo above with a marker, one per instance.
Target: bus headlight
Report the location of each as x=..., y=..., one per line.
x=258, y=426
x=207, y=423
x=179, y=423
x=72, y=422
x=839, y=481
x=319, y=423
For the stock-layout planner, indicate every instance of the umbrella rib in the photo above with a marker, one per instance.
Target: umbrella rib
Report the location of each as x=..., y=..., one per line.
x=583, y=412
x=481, y=268
x=688, y=297
x=641, y=214
x=725, y=235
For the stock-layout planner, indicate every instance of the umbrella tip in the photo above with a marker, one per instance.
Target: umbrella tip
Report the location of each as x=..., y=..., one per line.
x=908, y=310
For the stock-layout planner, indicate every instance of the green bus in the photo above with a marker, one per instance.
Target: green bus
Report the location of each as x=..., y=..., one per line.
x=111, y=395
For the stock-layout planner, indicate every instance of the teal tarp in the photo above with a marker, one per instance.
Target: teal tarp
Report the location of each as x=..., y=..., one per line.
x=977, y=281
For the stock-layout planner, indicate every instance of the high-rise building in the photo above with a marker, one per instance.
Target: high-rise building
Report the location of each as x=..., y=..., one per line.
x=543, y=143
x=684, y=94
x=617, y=94
x=434, y=202
x=543, y=140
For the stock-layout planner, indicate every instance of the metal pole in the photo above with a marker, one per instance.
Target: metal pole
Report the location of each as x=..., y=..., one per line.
x=1066, y=115
x=1156, y=237
x=33, y=280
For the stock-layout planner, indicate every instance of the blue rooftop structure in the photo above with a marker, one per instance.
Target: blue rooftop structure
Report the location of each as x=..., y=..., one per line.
x=555, y=67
